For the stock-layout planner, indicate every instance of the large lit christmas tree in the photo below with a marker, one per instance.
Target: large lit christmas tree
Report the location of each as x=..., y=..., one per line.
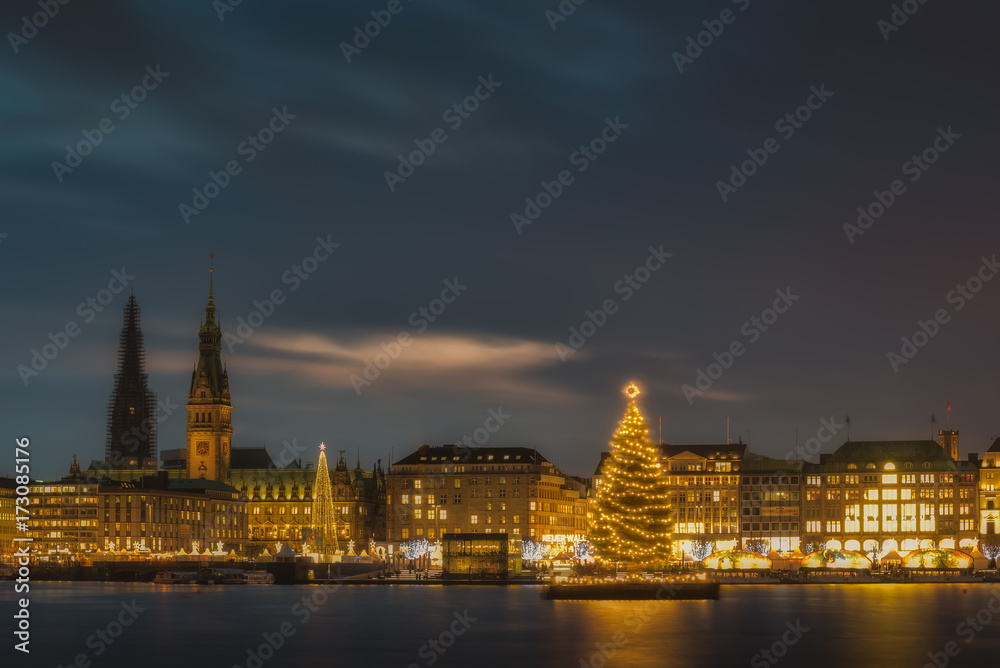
x=632, y=521
x=324, y=522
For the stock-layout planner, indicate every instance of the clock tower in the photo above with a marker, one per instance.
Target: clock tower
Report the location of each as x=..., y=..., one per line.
x=209, y=409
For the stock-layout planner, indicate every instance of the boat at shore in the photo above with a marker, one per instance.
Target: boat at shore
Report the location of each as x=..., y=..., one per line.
x=175, y=577
x=230, y=576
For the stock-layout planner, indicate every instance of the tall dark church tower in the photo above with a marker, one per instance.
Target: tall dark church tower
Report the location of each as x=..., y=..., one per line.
x=209, y=425
x=131, y=436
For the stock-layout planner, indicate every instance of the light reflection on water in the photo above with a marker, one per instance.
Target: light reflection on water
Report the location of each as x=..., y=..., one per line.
x=853, y=625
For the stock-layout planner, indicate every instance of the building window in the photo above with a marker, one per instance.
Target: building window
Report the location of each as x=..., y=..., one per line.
x=418, y=514
x=474, y=519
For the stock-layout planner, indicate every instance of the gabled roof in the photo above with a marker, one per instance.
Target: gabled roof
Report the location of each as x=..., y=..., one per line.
x=250, y=458
x=440, y=454
x=995, y=447
x=731, y=451
x=879, y=453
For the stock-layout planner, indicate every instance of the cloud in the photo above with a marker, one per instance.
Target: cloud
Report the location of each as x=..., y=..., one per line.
x=430, y=361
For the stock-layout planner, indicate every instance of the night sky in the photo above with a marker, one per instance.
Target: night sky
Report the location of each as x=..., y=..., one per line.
x=520, y=285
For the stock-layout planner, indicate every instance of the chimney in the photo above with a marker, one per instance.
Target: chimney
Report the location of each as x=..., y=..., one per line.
x=974, y=457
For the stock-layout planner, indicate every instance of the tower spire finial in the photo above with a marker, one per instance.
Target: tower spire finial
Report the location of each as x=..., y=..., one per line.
x=210, y=308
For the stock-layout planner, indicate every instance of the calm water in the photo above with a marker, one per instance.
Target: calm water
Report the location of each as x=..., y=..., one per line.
x=855, y=625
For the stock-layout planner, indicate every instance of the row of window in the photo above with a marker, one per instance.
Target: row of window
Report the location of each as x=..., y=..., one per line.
x=873, y=494
x=926, y=523
x=418, y=483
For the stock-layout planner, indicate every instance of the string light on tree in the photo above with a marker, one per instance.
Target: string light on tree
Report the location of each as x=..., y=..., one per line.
x=324, y=521
x=633, y=519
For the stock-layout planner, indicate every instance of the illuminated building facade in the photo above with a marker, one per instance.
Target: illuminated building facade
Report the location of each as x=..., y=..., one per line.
x=704, y=486
x=484, y=555
x=166, y=515
x=771, y=502
x=8, y=523
x=893, y=495
x=64, y=520
x=440, y=490
x=280, y=500
x=989, y=481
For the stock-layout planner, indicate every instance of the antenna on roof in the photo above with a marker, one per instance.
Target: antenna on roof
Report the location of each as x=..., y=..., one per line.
x=728, y=440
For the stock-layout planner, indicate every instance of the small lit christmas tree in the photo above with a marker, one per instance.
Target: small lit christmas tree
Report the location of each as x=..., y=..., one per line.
x=324, y=521
x=632, y=522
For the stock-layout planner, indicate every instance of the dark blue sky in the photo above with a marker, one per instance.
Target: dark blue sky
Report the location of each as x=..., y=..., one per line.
x=323, y=175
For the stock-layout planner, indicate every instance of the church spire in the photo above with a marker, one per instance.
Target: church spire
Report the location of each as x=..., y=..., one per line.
x=131, y=432
x=209, y=374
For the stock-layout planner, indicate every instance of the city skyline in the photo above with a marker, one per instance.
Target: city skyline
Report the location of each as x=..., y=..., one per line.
x=831, y=431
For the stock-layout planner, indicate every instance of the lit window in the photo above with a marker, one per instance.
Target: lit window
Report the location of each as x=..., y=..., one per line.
x=474, y=519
